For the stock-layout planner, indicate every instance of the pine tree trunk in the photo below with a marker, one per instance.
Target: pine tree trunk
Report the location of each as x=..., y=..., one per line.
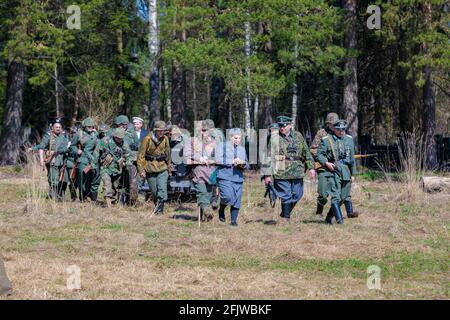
x=10, y=140
x=429, y=101
x=178, y=96
x=153, y=45
x=247, y=97
x=351, y=68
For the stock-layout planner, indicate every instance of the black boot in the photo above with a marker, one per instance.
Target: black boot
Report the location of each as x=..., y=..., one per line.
x=234, y=216
x=159, y=207
x=222, y=212
x=94, y=197
x=329, y=218
x=286, y=210
x=349, y=209
x=319, y=209
x=337, y=212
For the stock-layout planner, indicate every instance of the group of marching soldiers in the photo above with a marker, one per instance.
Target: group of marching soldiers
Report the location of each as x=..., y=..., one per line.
x=125, y=154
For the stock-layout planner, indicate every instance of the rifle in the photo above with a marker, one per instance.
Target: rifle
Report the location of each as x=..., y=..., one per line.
x=270, y=191
x=317, y=165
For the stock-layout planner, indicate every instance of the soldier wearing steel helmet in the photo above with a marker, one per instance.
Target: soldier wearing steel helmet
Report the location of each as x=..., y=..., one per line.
x=336, y=154
x=87, y=174
x=154, y=163
x=114, y=155
x=321, y=181
x=131, y=194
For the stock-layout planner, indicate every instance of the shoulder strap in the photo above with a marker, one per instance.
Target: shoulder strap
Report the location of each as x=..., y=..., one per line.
x=332, y=148
x=51, y=141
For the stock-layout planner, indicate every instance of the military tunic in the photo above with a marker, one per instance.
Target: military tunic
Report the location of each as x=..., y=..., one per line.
x=321, y=179
x=59, y=145
x=113, y=159
x=338, y=183
x=290, y=158
x=154, y=159
x=87, y=182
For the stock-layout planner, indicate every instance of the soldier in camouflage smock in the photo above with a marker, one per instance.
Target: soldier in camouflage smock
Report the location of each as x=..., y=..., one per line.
x=336, y=154
x=114, y=156
x=321, y=181
x=290, y=158
x=87, y=173
x=52, y=154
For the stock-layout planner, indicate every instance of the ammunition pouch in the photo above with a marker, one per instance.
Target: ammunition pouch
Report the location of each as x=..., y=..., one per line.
x=107, y=160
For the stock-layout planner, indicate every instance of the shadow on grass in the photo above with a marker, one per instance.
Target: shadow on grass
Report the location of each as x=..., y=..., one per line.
x=314, y=221
x=184, y=217
x=266, y=222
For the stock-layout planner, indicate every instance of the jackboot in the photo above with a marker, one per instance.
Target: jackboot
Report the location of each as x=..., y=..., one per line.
x=319, y=209
x=234, y=216
x=159, y=207
x=222, y=212
x=337, y=212
x=349, y=210
x=329, y=218
x=285, y=210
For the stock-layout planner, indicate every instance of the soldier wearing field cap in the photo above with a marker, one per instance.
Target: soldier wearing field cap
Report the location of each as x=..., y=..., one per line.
x=154, y=163
x=336, y=154
x=290, y=158
x=321, y=181
x=114, y=155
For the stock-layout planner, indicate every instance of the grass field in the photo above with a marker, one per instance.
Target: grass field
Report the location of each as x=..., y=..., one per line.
x=125, y=253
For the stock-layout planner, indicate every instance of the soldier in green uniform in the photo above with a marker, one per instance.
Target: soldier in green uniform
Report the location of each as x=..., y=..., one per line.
x=154, y=163
x=71, y=164
x=336, y=154
x=290, y=158
x=114, y=155
x=87, y=173
x=52, y=154
x=321, y=181
x=132, y=140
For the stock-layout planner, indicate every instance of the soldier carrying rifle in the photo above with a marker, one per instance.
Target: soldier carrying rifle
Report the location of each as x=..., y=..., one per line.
x=52, y=153
x=114, y=155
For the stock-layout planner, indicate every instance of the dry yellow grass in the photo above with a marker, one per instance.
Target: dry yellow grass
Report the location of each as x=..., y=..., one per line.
x=126, y=254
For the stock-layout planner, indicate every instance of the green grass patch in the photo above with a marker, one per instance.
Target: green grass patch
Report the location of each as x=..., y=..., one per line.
x=397, y=266
x=112, y=226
